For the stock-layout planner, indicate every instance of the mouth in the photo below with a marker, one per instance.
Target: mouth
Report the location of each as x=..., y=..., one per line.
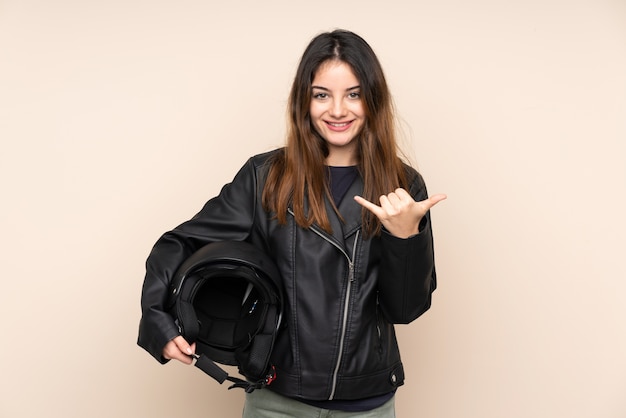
x=338, y=126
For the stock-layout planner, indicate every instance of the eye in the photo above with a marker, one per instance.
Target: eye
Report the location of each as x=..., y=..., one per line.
x=354, y=95
x=320, y=96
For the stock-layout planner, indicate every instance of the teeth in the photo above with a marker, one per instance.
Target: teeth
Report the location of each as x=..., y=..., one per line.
x=338, y=125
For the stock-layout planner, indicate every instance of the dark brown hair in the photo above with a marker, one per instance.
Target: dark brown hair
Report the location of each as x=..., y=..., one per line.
x=298, y=173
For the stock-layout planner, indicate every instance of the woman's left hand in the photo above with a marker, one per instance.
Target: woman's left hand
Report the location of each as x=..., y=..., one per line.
x=399, y=213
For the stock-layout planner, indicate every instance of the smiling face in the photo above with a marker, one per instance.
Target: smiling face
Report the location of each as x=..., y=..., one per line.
x=337, y=111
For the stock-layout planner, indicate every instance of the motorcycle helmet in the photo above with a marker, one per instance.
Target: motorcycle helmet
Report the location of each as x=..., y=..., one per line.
x=226, y=297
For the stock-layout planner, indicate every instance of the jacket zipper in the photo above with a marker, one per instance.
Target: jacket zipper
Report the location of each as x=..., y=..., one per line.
x=344, y=326
x=351, y=278
x=346, y=306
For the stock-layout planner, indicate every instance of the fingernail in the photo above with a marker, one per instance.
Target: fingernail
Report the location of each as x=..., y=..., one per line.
x=188, y=350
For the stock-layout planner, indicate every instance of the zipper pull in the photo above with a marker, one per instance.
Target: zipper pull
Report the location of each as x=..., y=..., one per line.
x=351, y=271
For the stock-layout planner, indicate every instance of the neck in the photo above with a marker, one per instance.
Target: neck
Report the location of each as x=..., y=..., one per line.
x=341, y=158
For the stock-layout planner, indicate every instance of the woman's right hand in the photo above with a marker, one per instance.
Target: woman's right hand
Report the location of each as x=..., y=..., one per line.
x=179, y=349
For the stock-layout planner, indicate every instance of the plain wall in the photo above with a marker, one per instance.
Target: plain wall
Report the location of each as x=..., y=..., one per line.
x=119, y=119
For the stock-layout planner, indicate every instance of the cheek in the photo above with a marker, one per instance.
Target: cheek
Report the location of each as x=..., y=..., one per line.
x=359, y=110
x=315, y=110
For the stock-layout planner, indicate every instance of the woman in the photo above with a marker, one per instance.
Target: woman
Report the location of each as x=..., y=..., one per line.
x=350, y=268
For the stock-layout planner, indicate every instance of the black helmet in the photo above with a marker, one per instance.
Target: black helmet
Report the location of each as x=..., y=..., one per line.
x=226, y=297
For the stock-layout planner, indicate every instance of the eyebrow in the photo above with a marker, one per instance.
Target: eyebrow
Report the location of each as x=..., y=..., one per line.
x=326, y=89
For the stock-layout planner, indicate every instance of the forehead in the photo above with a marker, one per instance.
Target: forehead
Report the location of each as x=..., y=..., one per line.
x=335, y=72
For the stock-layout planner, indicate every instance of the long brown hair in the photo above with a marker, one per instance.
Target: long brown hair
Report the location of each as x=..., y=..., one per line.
x=298, y=172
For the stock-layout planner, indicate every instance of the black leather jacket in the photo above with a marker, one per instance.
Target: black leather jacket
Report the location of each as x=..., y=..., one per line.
x=343, y=293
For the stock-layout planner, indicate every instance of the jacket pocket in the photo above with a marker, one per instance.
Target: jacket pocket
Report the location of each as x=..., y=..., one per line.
x=379, y=333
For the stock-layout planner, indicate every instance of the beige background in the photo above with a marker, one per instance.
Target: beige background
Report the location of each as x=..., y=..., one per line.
x=118, y=119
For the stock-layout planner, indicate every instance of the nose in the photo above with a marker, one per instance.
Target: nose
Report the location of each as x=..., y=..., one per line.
x=338, y=109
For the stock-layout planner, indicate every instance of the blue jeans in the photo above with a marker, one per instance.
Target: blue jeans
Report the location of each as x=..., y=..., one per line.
x=266, y=404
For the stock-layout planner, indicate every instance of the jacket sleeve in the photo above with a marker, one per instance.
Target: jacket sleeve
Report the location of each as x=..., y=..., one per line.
x=407, y=275
x=229, y=216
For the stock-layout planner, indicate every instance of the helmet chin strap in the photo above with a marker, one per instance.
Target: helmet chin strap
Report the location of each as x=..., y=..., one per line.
x=216, y=372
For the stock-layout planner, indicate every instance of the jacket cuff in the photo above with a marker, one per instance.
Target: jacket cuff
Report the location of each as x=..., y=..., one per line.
x=154, y=342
